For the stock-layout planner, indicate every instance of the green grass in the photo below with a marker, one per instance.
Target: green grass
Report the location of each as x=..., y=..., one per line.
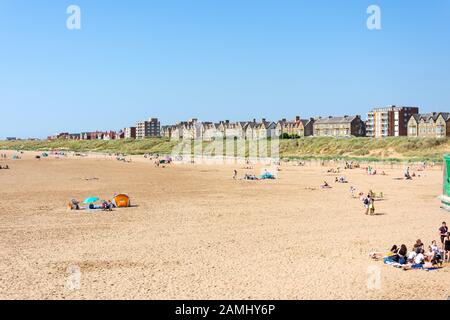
x=388, y=149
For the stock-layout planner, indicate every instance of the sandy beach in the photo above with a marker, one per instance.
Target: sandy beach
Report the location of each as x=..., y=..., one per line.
x=195, y=233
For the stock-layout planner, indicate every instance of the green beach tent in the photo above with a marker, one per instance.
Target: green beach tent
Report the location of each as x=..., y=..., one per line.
x=445, y=198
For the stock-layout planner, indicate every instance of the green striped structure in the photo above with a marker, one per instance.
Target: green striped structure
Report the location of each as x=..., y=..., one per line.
x=446, y=185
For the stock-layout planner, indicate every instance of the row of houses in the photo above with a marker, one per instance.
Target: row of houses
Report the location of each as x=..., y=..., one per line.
x=95, y=135
x=253, y=130
x=391, y=121
x=142, y=130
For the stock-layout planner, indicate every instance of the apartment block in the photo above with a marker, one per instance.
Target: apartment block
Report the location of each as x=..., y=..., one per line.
x=147, y=129
x=130, y=133
x=391, y=121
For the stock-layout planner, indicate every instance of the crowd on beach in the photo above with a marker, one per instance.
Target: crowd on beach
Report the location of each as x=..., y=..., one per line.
x=368, y=199
x=418, y=257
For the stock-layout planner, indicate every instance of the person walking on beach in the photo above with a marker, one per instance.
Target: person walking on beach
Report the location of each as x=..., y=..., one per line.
x=235, y=173
x=368, y=205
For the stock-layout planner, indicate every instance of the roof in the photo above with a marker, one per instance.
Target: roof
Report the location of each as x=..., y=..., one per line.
x=433, y=115
x=345, y=119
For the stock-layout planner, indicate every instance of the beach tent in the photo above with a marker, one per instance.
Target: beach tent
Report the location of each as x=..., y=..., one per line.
x=122, y=200
x=445, y=198
x=267, y=176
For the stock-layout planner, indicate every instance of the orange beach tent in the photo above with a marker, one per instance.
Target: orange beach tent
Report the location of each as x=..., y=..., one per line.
x=122, y=200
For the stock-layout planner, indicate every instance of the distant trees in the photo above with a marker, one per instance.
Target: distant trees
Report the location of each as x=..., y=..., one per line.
x=287, y=136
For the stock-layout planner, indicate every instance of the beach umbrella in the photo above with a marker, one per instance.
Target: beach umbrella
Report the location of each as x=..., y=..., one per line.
x=91, y=200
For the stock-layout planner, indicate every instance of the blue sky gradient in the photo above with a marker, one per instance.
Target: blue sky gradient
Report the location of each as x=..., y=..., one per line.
x=214, y=60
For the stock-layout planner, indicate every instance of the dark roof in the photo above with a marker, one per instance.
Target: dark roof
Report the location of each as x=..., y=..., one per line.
x=433, y=115
x=345, y=119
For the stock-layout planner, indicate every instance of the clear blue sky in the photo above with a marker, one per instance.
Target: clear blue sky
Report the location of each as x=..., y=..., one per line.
x=215, y=59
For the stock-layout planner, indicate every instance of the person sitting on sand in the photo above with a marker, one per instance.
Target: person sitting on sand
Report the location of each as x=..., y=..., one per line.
x=418, y=246
x=107, y=205
x=111, y=205
x=407, y=174
x=402, y=254
x=433, y=254
x=381, y=255
x=325, y=185
x=250, y=177
x=341, y=180
x=419, y=260
x=74, y=205
x=411, y=256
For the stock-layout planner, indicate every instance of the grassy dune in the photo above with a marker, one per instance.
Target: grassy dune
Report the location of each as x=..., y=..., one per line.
x=389, y=149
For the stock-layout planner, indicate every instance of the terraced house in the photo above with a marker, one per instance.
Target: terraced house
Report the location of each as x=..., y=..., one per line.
x=211, y=131
x=346, y=126
x=266, y=129
x=166, y=131
x=232, y=129
x=432, y=125
x=297, y=128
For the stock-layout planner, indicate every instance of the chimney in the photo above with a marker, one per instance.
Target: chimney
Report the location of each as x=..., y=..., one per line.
x=263, y=119
x=254, y=120
x=297, y=118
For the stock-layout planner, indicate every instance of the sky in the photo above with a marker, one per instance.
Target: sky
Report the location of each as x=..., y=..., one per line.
x=215, y=60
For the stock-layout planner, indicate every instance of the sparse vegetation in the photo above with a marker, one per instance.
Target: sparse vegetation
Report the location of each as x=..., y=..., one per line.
x=388, y=149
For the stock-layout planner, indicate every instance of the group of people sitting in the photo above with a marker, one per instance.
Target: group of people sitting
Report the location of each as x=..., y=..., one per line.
x=4, y=167
x=105, y=205
x=351, y=165
x=340, y=180
x=3, y=156
x=266, y=175
x=419, y=257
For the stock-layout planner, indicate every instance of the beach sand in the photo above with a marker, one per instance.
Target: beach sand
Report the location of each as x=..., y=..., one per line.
x=195, y=233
